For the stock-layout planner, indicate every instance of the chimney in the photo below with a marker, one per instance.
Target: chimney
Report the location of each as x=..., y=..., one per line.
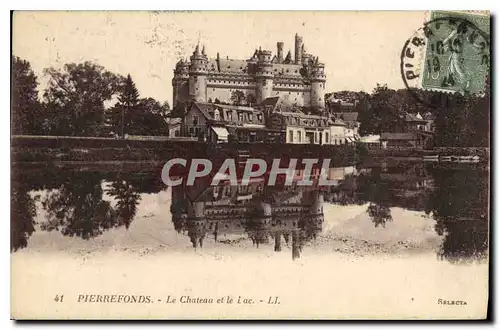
x=298, y=49
x=280, y=46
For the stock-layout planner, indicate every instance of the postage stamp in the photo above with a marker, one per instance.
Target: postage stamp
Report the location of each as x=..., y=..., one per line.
x=457, y=53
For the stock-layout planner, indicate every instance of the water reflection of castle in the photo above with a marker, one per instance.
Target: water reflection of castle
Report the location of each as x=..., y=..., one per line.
x=74, y=204
x=293, y=214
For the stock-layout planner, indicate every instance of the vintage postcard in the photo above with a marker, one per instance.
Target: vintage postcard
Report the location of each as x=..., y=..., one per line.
x=232, y=165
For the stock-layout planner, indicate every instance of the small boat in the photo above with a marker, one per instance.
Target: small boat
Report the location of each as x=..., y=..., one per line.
x=455, y=158
x=445, y=158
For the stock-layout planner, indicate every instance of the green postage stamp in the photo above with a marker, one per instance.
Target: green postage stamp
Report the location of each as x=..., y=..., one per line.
x=457, y=52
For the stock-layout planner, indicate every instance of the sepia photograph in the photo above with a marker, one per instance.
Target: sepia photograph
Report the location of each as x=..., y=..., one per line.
x=250, y=165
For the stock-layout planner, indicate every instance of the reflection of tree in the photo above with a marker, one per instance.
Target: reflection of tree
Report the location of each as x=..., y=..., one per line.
x=127, y=198
x=22, y=222
x=77, y=208
x=149, y=182
x=460, y=206
x=379, y=214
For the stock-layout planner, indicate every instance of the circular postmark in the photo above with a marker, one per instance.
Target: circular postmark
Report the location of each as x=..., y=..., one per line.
x=449, y=54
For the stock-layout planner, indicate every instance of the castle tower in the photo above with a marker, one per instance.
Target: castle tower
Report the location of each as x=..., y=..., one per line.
x=198, y=71
x=264, y=76
x=298, y=49
x=280, y=46
x=180, y=82
x=318, y=80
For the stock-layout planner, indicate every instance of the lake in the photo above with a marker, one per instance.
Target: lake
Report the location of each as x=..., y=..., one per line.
x=386, y=237
x=372, y=209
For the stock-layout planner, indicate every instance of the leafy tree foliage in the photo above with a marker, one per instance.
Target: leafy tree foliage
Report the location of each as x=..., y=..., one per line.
x=237, y=97
x=383, y=112
x=460, y=120
x=251, y=100
x=127, y=198
x=77, y=208
x=22, y=219
x=75, y=97
x=135, y=116
x=459, y=204
x=120, y=116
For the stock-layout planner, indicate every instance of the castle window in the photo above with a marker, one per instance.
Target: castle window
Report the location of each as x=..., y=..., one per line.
x=213, y=89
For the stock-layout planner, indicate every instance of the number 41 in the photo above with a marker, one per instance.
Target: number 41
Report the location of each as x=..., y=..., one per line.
x=59, y=298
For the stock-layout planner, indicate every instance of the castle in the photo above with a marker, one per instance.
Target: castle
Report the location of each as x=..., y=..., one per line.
x=298, y=81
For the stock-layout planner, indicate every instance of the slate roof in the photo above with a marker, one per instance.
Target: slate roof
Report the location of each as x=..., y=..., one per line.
x=228, y=66
x=234, y=107
x=412, y=117
x=173, y=121
x=347, y=116
x=272, y=101
x=205, y=109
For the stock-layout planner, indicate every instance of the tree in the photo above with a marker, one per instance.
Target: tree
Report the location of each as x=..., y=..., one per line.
x=149, y=118
x=75, y=96
x=383, y=113
x=25, y=106
x=77, y=208
x=166, y=110
x=251, y=99
x=127, y=198
x=237, y=97
x=127, y=106
x=23, y=214
x=380, y=214
x=460, y=205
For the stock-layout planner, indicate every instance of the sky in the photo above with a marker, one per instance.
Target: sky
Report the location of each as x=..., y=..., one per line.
x=359, y=49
